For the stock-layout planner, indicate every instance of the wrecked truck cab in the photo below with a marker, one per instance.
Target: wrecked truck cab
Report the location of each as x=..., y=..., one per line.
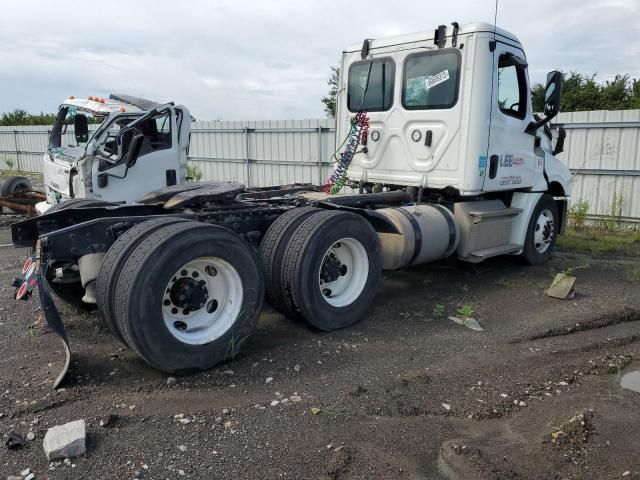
x=86, y=157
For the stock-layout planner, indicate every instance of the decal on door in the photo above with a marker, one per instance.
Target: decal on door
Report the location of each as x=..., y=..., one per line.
x=436, y=79
x=511, y=180
x=509, y=160
x=482, y=165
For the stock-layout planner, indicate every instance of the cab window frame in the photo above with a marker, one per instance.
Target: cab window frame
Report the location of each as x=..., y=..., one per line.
x=386, y=59
x=522, y=79
x=429, y=53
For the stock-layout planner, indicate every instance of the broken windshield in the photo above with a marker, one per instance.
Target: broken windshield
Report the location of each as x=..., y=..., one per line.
x=63, y=134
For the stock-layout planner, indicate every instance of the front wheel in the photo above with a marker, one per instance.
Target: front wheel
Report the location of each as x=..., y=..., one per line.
x=542, y=232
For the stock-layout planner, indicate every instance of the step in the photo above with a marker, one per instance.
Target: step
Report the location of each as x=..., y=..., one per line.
x=479, y=215
x=495, y=251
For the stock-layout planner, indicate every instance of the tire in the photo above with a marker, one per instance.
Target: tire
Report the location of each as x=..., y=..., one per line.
x=544, y=224
x=354, y=272
x=78, y=203
x=15, y=183
x=273, y=249
x=113, y=262
x=147, y=283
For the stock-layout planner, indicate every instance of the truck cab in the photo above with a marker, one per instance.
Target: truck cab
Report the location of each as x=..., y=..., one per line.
x=119, y=149
x=448, y=110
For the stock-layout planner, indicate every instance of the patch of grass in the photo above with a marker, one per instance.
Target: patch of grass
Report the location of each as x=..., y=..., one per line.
x=464, y=311
x=632, y=273
x=578, y=214
x=438, y=310
x=599, y=242
x=193, y=174
x=335, y=410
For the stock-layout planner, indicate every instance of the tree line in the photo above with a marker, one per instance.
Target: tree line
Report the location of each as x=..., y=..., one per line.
x=580, y=92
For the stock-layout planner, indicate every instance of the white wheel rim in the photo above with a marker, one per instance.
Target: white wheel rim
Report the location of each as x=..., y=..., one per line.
x=344, y=272
x=202, y=300
x=544, y=231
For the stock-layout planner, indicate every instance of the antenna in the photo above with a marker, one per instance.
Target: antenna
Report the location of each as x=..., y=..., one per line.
x=495, y=18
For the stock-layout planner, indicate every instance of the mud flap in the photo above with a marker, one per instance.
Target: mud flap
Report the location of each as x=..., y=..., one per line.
x=55, y=323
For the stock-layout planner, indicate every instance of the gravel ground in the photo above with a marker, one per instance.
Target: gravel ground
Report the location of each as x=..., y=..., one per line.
x=406, y=393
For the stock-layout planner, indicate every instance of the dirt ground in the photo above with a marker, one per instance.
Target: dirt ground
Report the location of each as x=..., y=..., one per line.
x=406, y=393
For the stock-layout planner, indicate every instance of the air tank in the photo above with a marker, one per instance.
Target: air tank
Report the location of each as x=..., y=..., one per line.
x=428, y=232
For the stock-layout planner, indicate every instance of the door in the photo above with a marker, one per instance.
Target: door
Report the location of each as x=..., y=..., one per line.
x=411, y=97
x=156, y=166
x=512, y=162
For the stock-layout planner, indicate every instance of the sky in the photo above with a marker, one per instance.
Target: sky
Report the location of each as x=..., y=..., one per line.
x=269, y=59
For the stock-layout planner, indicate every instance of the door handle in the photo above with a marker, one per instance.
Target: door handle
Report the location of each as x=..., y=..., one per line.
x=428, y=138
x=493, y=166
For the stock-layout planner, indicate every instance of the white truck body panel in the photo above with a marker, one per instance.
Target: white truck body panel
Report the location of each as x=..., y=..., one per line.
x=464, y=135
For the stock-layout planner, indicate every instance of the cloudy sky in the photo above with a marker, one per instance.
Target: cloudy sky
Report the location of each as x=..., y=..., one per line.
x=269, y=59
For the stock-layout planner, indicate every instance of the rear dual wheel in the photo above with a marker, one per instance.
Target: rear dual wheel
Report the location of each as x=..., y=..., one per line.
x=330, y=269
x=188, y=296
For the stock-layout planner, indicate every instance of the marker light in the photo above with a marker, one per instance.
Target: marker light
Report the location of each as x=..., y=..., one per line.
x=21, y=291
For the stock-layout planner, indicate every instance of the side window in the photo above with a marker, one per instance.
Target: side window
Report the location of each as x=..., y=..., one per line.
x=157, y=133
x=371, y=85
x=512, y=87
x=431, y=80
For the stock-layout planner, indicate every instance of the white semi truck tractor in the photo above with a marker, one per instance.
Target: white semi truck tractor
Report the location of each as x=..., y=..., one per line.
x=440, y=155
x=91, y=166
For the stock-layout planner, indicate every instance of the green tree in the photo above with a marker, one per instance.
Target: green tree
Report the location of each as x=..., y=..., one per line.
x=330, y=100
x=582, y=92
x=22, y=117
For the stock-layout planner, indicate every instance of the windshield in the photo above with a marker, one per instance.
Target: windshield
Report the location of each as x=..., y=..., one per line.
x=63, y=133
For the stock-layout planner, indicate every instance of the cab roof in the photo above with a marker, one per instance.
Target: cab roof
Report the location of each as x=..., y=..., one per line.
x=467, y=28
x=100, y=106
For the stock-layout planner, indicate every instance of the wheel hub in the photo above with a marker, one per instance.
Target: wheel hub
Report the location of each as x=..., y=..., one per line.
x=188, y=294
x=544, y=231
x=201, y=300
x=332, y=268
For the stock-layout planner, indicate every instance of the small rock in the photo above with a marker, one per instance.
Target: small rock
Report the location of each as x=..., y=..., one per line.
x=31, y=436
x=315, y=410
x=218, y=420
x=446, y=406
x=563, y=383
x=65, y=441
x=522, y=404
x=228, y=372
x=295, y=398
x=181, y=473
x=25, y=472
x=275, y=402
x=182, y=448
x=296, y=368
x=268, y=380
x=504, y=395
x=626, y=474
x=185, y=421
x=132, y=407
x=172, y=381
x=108, y=421
x=178, y=416
x=228, y=424
x=31, y=476
x=225, y=411
x=15, y=477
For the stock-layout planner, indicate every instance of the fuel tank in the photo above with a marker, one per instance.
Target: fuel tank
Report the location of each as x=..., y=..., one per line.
x=428, y=232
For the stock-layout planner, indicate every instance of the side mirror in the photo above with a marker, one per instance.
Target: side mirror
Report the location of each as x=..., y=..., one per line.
x=134, y=150
x=81, y=128
x=562, y=134
x=552, y=94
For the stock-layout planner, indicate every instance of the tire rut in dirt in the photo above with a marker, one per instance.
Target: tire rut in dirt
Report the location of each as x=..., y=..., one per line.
x=273, y=248
x=144, y=280
x=112, y=264
x=304, y=261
